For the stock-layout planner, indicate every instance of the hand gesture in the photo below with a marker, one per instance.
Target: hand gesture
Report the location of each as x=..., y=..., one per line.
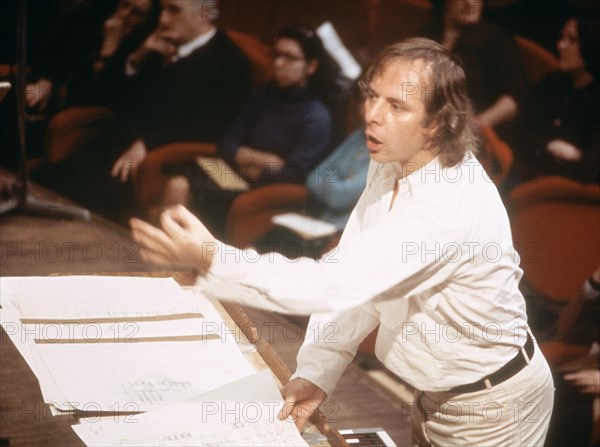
x=115, y=29
x=182, y=240
x=126, y=166
x=154, y=43
x=252, y=163
x=302, y=398
x=587, y=379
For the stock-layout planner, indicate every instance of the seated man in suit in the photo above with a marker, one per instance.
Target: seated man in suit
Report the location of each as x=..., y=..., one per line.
x=192, y=82
x=188, y=81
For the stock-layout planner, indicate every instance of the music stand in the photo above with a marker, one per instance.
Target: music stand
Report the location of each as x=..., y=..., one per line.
x=22, y=200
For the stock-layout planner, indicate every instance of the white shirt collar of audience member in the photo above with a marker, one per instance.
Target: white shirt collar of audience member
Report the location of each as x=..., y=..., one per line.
x=187, y=49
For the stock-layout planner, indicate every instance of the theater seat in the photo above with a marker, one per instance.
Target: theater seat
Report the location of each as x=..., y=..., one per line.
x=72, y=129
x=495, y=156
x=250, y=214
x=556, y=230
x=151, y=182
x=536, y=60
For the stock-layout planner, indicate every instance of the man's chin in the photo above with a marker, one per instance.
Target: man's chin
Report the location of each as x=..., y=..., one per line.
x=376, y=156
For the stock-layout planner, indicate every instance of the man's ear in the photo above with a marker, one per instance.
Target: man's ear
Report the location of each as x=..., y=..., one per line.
x=431, y=128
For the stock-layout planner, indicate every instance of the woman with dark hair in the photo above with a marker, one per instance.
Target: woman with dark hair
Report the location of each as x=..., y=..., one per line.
x=283, y=131
x=562, y=129
x=285, y=128
x=328, y=84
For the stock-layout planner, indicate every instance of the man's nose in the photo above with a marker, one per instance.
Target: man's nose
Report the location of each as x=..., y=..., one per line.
x=373, y=111
x=163, y=19
x=278, y=62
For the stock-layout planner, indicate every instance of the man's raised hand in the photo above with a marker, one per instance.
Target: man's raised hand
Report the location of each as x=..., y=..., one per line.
x=181, y=241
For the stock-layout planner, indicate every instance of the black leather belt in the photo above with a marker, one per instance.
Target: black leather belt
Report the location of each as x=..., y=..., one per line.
x=506, y=372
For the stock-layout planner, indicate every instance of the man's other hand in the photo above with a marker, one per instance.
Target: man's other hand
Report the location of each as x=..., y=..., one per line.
x=588, y=380
x=302, y=398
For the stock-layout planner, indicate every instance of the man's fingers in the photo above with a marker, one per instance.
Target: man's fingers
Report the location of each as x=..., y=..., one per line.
x=288, y=407
x=150, y=237
x=182, y=216
x=173, y=228
x=301, y=421
x=115, y=169
x=298, y=413
x=128, y=171
x=153, y=257
x=123, y=174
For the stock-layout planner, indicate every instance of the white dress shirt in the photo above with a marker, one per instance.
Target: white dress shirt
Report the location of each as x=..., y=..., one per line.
x=437, y=271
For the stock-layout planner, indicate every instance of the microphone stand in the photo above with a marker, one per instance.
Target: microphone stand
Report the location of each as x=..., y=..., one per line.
x=23, y=200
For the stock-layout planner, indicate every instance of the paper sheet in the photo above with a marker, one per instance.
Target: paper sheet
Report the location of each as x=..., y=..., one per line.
x=154, y=344
x=240, y=413
x=338, y=51
x=223, y=175
x=144, y=376
x=304, y=226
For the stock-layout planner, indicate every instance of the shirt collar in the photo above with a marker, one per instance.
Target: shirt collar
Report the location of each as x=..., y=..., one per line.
x=426, y=173
x=433, y=172
x=186, y=49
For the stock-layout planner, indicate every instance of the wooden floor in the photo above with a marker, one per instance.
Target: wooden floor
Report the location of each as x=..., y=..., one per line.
x=34, y=245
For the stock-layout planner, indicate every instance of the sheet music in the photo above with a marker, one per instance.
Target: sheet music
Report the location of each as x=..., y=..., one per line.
x=155, y=344
x=241, y=413
x=93, y=296
x=9, y=319
x=141, y=376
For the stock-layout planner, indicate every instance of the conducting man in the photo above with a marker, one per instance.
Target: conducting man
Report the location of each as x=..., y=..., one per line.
x=427, y=255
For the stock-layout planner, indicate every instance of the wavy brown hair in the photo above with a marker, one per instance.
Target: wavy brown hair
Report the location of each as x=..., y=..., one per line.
x=448, y=105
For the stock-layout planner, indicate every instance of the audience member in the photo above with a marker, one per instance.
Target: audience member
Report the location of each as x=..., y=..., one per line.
x=577, y=385
x=191, y=82
x=282, y=132
x=560, y=132
x=336, y=183
x=489, y=56
x=284, y=129
x=332, y=190
x=72, y=31
x=100, y=78
x=59, y=34
x=97, y=88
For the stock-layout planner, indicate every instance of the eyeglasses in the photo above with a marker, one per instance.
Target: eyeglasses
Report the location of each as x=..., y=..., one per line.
x=287, y=57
